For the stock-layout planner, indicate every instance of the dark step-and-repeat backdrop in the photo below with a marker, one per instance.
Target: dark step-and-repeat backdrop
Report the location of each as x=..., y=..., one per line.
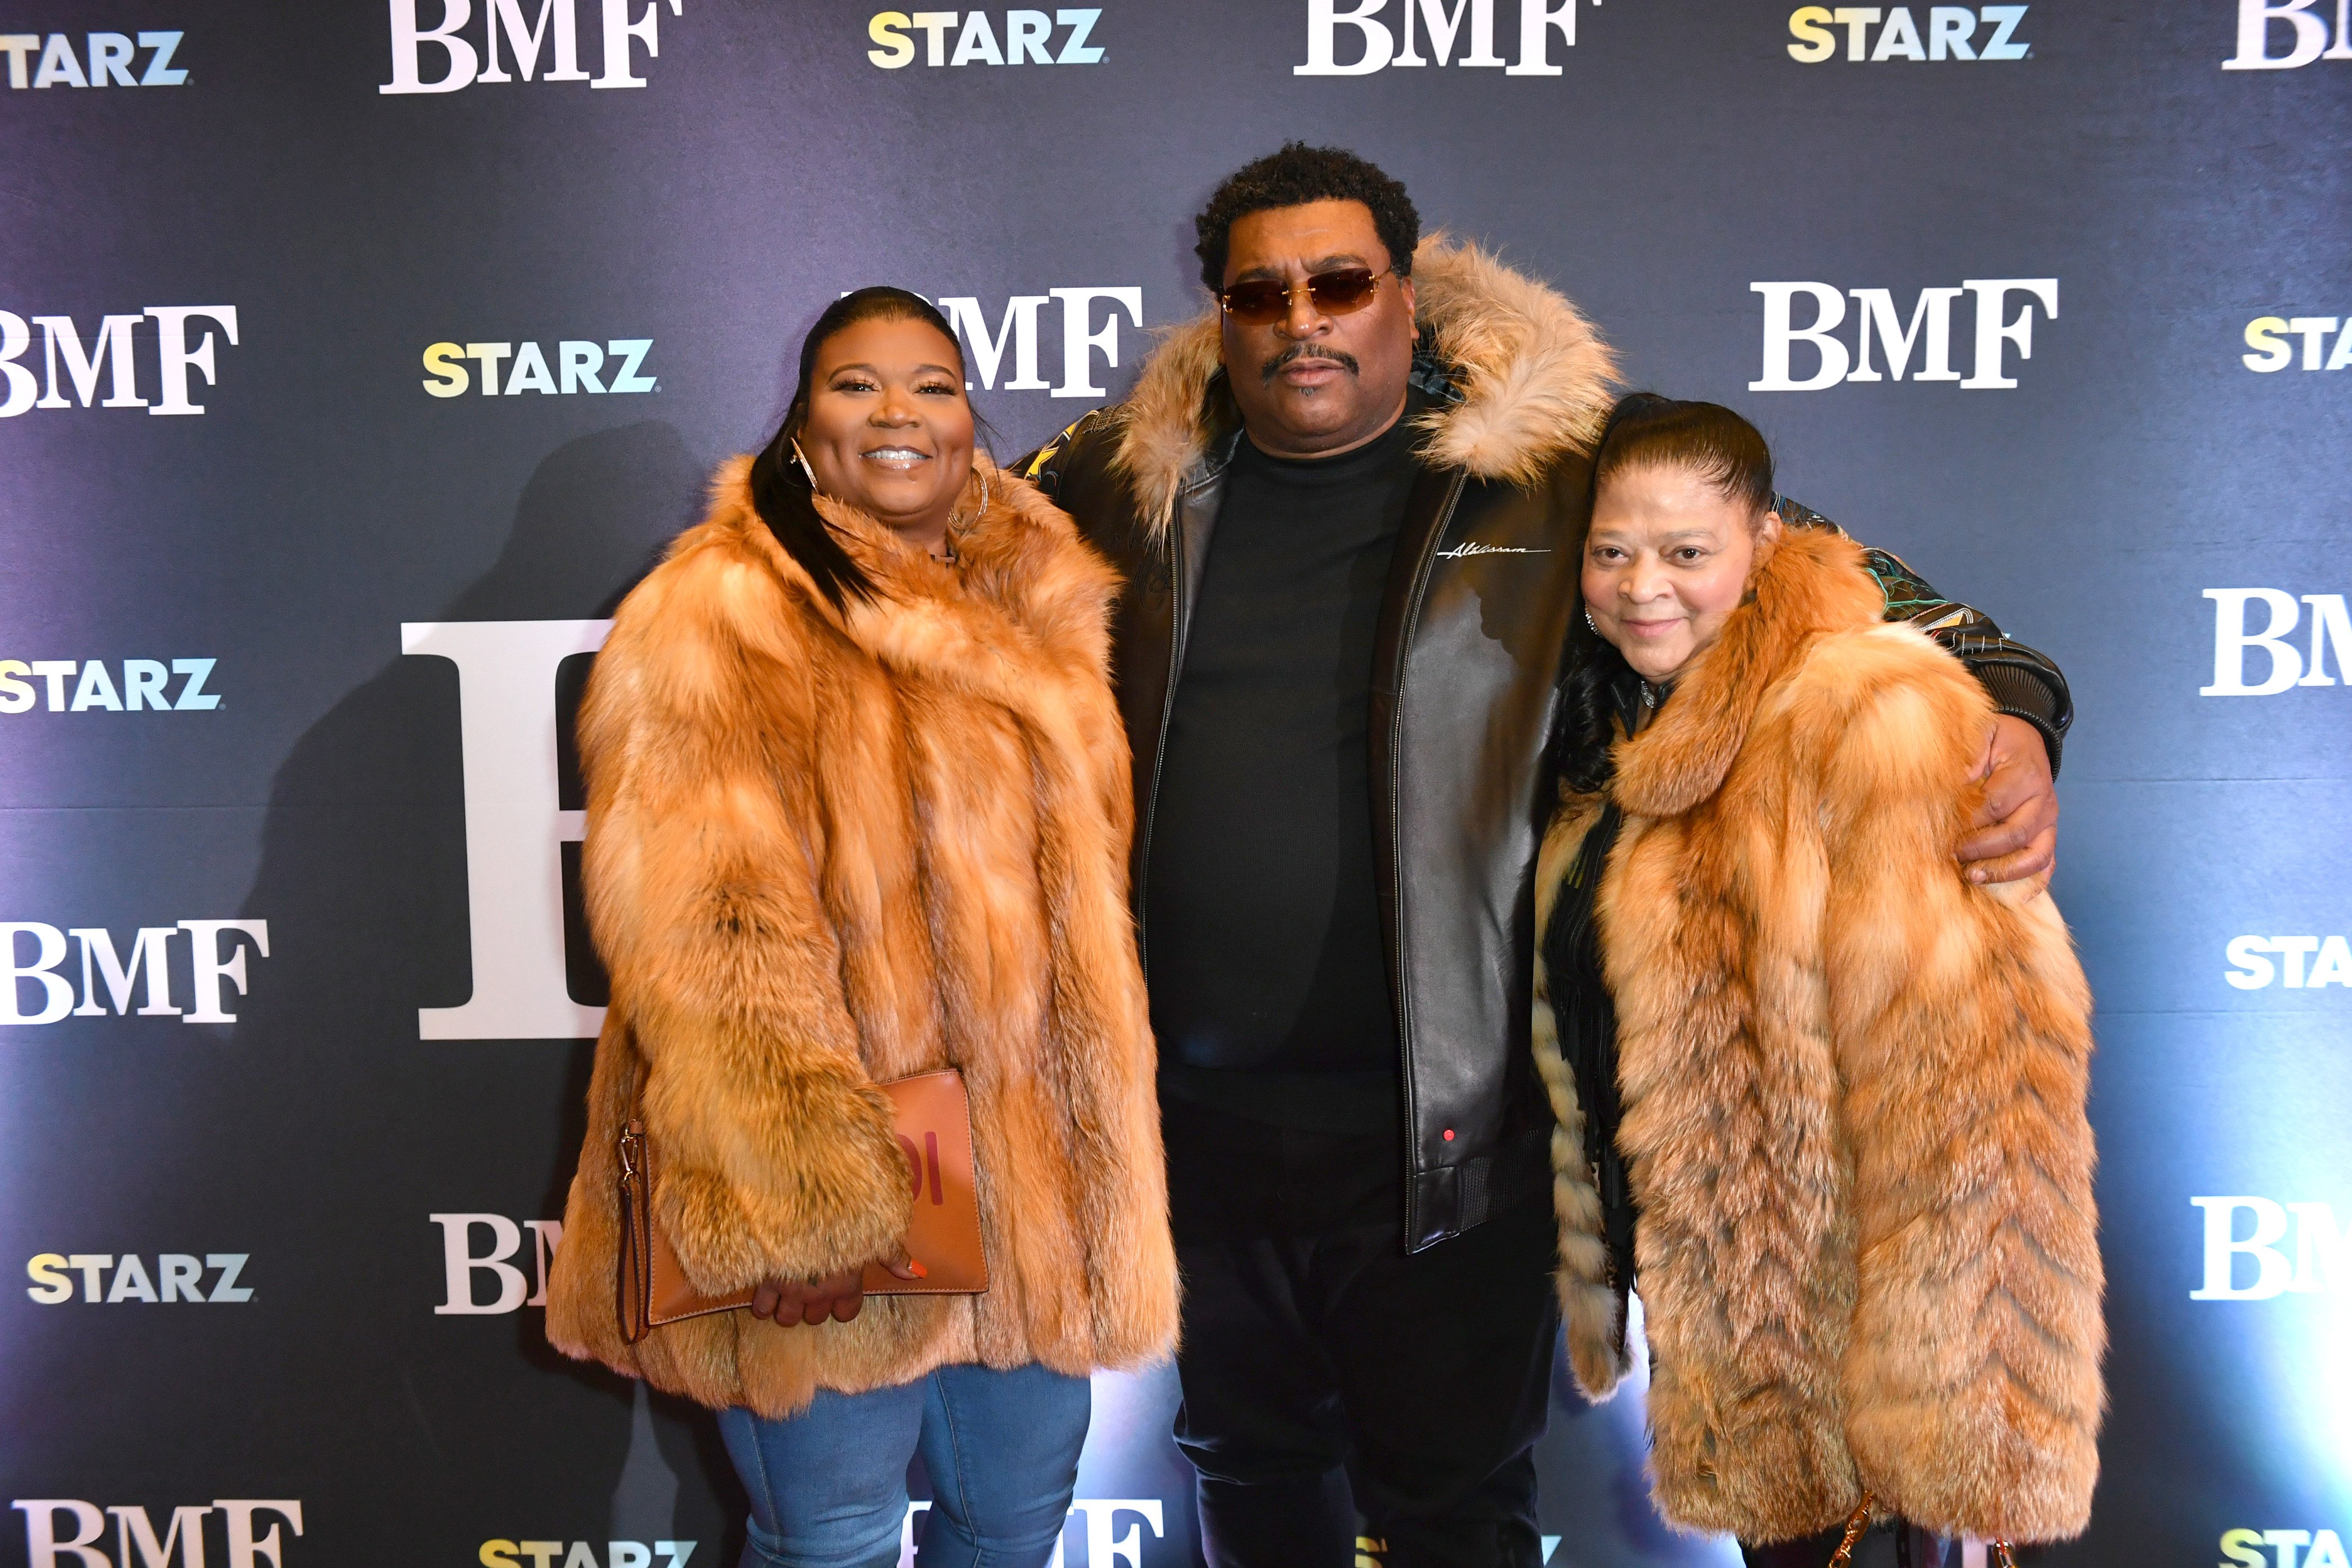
x=356, y=356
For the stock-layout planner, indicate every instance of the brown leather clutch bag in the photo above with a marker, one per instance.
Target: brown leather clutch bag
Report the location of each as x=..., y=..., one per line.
x=934, y=1126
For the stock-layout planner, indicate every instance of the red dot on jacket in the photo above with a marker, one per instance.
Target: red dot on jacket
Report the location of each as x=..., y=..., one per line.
x=1449, y=1135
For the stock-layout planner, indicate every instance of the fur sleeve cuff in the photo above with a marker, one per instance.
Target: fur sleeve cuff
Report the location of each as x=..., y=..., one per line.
x=809, y=1194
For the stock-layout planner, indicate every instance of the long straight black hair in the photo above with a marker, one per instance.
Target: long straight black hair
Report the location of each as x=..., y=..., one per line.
x=781, y=492
x=1645, y=430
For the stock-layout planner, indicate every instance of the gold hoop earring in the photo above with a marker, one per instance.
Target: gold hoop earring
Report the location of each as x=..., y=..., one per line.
x=802, y=458
x=962, y=520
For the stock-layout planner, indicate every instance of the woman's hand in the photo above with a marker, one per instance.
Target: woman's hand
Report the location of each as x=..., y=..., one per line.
x=837, y=1297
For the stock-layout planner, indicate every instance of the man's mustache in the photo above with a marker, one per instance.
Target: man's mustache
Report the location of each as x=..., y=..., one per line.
x=1297, y=352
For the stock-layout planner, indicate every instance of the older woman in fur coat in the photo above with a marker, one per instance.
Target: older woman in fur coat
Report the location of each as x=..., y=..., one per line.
x=858, y=810
x=1820, y=1095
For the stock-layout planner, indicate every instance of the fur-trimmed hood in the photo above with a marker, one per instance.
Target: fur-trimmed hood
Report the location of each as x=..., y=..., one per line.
x=1531, y=379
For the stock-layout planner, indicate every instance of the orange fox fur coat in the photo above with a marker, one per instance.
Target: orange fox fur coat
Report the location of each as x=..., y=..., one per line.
x=826, y=849
x=1853, y=1091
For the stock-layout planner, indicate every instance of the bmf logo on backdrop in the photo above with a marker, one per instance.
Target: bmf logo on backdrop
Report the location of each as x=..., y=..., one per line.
x=178, y=1277
x=2267, y=335
x=555, y=28
x=1952, y=33
x=2304, y=963
x=2258, y=21
x=2319, y=1261
x=1029, y=38
x=1016, y=328
x=143, y=687
x=2247, y=1547
x=460, y=1263
x=1470, y=22
x=215, y=958
x=112, y=350
x=584, y=363
x=112, y=59
x=135, y=1541
x=1929, y=329
x=515, y=826
x=2288, y=666
x=1106, y=1546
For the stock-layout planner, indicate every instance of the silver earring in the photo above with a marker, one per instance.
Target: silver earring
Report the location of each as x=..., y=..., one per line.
x=1589, y=626
x=802, y=458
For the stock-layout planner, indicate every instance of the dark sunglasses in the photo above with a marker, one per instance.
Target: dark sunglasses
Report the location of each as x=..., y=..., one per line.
x=1262, y=301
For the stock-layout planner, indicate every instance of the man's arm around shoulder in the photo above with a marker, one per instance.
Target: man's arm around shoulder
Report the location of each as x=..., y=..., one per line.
x=1046, y=466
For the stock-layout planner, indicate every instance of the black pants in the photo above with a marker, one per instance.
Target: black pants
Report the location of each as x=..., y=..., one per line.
x=1321, y=1366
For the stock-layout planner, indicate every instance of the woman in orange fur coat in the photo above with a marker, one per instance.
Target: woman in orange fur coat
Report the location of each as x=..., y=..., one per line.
x=1820, y=1096
x=858, y=809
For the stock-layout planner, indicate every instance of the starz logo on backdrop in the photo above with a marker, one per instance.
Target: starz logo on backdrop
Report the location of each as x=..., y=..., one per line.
x=177, y=1277
x=113, y=60
x=1059, y=37
x=1986, y=33
x=510, y=369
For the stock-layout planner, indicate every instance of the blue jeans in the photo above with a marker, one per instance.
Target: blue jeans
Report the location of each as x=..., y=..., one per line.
x=829, y=1485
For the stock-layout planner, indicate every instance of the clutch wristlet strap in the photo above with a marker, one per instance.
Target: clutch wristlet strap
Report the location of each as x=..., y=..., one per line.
x=633, y=1277
x=2003, y=1553
x=1856, y=1523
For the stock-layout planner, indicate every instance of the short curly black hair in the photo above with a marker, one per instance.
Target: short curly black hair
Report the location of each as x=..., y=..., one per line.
x=1293, y=178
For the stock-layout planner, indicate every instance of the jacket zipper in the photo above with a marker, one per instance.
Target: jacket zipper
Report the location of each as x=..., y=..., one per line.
x=1396, y=846
x=1180, y=631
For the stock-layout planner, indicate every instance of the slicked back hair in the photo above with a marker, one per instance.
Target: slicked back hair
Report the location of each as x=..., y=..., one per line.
x=1646, y=430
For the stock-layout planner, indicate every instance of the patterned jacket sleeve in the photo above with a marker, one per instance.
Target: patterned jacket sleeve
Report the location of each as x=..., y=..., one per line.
x=2023, y=683
x=1042, y=466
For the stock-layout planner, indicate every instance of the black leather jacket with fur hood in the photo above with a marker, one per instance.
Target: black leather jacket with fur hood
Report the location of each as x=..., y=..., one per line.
x=1472, y=635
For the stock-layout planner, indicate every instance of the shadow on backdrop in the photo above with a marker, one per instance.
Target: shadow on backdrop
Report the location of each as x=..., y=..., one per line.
x=483, y=1432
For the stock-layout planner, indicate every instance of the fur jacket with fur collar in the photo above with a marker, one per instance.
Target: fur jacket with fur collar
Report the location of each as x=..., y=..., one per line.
x=1853, y=1091
x=827, y=848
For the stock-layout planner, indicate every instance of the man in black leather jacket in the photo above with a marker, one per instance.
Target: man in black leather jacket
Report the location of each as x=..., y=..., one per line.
x=1348, y=503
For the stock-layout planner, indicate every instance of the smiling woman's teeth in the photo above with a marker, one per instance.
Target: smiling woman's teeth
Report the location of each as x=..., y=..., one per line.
x=896, y=456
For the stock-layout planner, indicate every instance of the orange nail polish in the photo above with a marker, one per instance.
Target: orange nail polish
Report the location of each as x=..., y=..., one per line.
x=917, y=1269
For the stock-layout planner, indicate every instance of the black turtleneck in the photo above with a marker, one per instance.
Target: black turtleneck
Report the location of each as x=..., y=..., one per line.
x=1269, y=983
